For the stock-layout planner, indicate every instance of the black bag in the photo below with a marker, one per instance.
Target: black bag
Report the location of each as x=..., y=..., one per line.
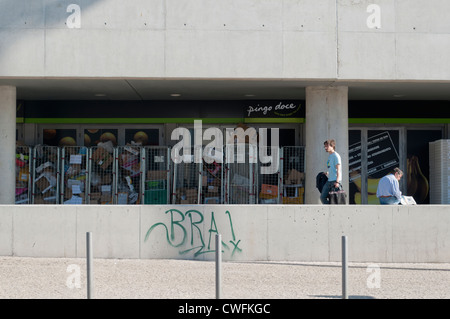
x=337, y=196
x=321, y=180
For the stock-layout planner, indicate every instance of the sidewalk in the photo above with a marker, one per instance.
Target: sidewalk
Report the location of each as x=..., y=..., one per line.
x=49, y=278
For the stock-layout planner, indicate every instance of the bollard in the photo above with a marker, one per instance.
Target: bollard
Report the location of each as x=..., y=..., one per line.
x=344, y=267
x=218, y=266
x=89, y=265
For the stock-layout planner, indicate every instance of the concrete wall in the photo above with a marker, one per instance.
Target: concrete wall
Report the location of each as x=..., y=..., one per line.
x=298, y=39
x=253, y=232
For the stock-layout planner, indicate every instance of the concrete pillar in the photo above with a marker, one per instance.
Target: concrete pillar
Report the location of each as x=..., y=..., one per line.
x=326, y=118
x=7, y=144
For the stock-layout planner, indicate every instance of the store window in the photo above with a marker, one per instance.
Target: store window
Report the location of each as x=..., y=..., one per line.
x=418, y=169
x=93, y=136
x=374, y=152
x=355, y=167
x=382, y=157
x=19, y=133
x=144, y=137
x=59, y=137
x=289, y=135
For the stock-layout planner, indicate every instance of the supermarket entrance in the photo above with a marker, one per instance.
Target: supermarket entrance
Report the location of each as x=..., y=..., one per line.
x=375, y=151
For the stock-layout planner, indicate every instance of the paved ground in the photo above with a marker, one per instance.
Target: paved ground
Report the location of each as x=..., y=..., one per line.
x=57, y=278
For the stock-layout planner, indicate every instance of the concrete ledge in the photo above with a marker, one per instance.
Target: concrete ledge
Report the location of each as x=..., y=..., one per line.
x=249, y=232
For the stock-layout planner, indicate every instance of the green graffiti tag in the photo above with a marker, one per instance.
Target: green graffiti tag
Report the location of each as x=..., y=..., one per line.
x=194, y=219
x=233, y=242
x=173, y=223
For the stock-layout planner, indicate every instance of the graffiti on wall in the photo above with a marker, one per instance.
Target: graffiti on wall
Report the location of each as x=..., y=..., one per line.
x=198, y=242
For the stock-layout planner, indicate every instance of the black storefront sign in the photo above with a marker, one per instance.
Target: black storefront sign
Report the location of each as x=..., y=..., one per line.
x=275, y=109
x=165, y=109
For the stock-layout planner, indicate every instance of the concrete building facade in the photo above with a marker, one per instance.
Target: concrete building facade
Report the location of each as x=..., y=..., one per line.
x=362, y=72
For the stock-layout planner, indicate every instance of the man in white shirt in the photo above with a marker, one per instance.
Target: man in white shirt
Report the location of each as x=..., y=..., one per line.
x=334, y=172
x=388, y=191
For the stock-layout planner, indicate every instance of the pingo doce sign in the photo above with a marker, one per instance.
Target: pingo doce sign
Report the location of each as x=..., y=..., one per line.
x=73, y=21
x=236, y=139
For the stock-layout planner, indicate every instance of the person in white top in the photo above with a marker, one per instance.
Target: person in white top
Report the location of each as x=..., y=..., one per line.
x=334, y=172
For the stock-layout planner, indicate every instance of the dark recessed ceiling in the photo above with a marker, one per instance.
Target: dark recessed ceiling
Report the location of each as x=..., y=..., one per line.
x=207, y=89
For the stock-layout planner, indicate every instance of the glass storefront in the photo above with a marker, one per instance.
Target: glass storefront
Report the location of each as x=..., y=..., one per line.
x=376, y=145
x=374, y=152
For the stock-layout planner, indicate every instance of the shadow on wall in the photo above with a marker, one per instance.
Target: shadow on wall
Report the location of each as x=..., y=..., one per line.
x=25, y=14
x=19, y=16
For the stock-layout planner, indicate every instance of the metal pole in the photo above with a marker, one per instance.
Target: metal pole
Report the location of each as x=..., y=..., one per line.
x=89, y=264
x=344, y=267
x=218, y=266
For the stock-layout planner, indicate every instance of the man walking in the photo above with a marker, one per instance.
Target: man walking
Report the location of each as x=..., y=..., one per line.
x=334, y=172
x=388, y=191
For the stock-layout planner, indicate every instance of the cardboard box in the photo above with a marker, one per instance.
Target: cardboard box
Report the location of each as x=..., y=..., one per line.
x=43, y=199
x=68, y=192
x=45, y=182
x=132, y=149
x=293, y=192
x=213, y=189
x=216, y=182
x=44, y=166
x=212, y=200
x=24, y=174
x=271, y=190
x=76, y=186
x=122, y=198
x=106, y=198
x=153, y=175
x=130, y=162
x=106, y=179
x=102, y=158
x=39, y=199
x=268, y=201
x=192, y=200
x=295, y=177
x=240, y=195
x=94, y=198
x=126, y=158
x=73, y=170
x=240, y=180
x=296, y=199
x=191, y=192
x=265, y=196
x=292, y=200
